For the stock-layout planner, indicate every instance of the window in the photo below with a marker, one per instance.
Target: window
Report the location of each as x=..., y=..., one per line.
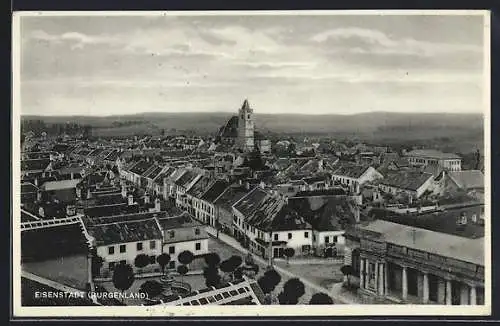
x=474, y=218
x=171, y=265
x=139, y=246
x=171, y=250
x=327, y=239
x=306, y=235
x=314, y=237
x=123, y=248
x=276, y=237
x=111, y=250
x=335, y=239
x=111, y=266
x=289, y=236
x=371, y=275
x=152, y=244
x=172, y=234
x=197, y=231
x=198, y=245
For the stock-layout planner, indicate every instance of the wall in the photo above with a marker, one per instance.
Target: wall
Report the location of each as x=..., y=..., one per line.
x=183, y=246
x=130, y=253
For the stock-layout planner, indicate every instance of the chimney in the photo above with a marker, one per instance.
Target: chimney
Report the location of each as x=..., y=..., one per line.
x=72, y=175
x=130, y=200
x=36, y=181
x=247, y=185
x=146, y=198
x=89, y=194
x=78, y=192
x=39, y=195
x=124, y=191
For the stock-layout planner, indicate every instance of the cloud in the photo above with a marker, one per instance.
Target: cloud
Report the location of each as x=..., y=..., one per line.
x=360, y=40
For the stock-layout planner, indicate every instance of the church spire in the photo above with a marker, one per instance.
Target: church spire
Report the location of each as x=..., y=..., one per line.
x=245, y=105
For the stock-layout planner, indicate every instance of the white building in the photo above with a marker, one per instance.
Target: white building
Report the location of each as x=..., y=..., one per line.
x=425, y=157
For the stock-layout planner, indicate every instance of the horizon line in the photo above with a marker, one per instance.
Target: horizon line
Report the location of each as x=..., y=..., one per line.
x=226, y=112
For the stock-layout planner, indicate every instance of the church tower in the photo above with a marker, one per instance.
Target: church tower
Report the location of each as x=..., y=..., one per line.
x=246, y=127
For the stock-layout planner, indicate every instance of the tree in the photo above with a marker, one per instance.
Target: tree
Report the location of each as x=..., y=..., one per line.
x=288, y=252
x=141, y=261
x=212, y=259
x=269, y=281
x=182, y=270
x=163, y=260
x=321, y=298
x=151, y=288
x=123, y=277
x=292, y=291
x=212, y=277
x=273, y=276
x=185, y=257
x=97, y=263
x=238, y=273
x=347, y=270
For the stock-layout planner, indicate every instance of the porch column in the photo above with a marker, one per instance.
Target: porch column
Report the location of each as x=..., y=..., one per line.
x=472, y=299
x=376, y=277
x=448, y=292
x=425, y=298
x=405, y=283
x=386, y=278
x=362, y=273
x=381, y=279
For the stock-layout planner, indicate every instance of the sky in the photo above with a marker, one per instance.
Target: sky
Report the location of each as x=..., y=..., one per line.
x=326, y=64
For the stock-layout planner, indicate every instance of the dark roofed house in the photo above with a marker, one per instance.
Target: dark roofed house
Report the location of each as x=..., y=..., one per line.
x=414, y=184
x=121, y=242
x=223, y=206
x=203, y=205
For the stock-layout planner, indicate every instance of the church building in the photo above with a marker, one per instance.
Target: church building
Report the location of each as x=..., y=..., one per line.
x=239, y=131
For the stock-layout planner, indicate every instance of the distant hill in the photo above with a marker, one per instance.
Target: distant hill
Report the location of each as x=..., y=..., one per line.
x=374, y=126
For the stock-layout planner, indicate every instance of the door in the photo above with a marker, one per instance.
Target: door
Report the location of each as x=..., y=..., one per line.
x=433, y=288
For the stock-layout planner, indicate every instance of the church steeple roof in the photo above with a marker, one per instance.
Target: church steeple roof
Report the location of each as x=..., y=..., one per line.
x=245, y=105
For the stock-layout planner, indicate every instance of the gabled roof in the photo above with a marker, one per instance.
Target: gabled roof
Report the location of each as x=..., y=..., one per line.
x=59, y=185
x=432, y=153
x=186, y=178
x=230, y=129
x=120, y=218
x=325, y=214
x=200, y=187
x=351, y=171
x=27, y=187
x=185, y=220
x=141, y=167
x=468, y=179
x=406, y=180
x=323, y=192
x=249, y=204
x=215, y=190
x=123, y=232
x=36, y=164
x=274, y=214
x=111, y=209
x=230, y=196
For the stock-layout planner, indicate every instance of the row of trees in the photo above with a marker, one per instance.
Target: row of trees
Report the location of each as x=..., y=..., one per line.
x=69, y=128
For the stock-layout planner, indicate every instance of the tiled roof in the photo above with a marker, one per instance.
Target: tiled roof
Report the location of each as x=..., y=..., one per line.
x=59, y=185
x=109, y=210
x=440, y=221
x=324, y=214
x=141, y=167
x=37, y=164
x=468, y=179
x=351, y=171
x=27, y=187
x=322, y=192
x=152, y=173
x=274, y=214
x=109, y=219
x=230, y=196
x=122, y=232
x=432, y=153
x=249, y=204
x=406, y=180
x=452, y=246
x=186, y=178
x=185, y=220
x=230, y=129
x=215, y=190
x=200, y=187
